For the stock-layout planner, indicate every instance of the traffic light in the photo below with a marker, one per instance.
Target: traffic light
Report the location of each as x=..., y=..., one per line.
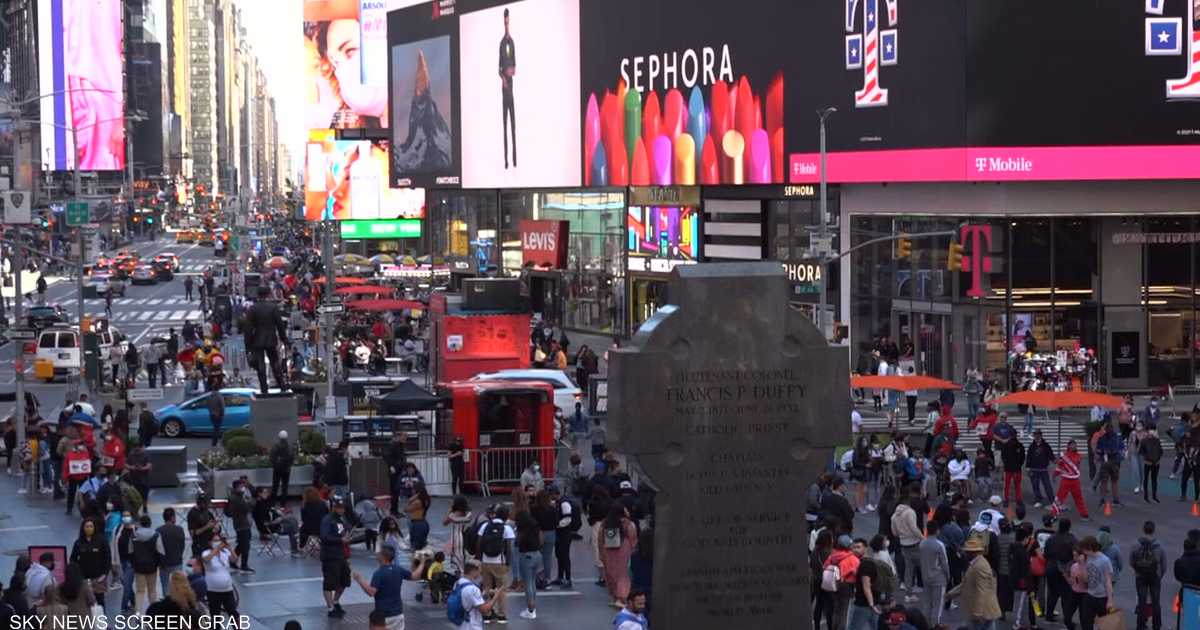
x=954, y=258
x=904, y=248
x=150, y=220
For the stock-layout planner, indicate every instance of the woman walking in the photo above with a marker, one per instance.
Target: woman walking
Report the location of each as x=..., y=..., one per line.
x=620, y=537
x=457, y=519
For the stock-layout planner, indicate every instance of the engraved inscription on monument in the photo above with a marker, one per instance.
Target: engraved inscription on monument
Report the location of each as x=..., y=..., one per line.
x=730, y=404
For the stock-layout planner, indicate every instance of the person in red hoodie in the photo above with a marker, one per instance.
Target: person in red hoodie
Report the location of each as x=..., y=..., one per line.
x=946, y=425
x=1066, y=468
x=982, y=426
x=847, y=563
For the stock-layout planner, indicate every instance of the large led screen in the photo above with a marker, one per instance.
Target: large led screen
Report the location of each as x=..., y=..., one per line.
x=345, y=67
x=519, y=67
x=999, y=90
x=80, y=62
x=348, y=180
x=683, y=92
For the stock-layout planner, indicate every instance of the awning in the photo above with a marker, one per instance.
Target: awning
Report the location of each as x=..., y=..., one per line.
x=384, y=305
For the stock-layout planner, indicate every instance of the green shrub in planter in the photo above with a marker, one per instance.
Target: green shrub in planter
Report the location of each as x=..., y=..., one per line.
x=311, y=442
x=241, y=446
x=236, y=433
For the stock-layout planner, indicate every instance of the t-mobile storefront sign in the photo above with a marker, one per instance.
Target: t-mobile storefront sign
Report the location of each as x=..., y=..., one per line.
x=977, y=260
x=544, y=242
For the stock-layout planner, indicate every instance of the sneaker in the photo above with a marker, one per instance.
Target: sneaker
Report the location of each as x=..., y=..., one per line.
x=247, y=570
x=489, y=619
x=529, y=614
x=1137, y=489
x=556, y=583
x=501, y=619
x=1171, y=476
x=337, y=608
x=903, y=586
x=870, y=508
x=1037, y=504
x=22, y=490
x=568, y=584
x=334, y=614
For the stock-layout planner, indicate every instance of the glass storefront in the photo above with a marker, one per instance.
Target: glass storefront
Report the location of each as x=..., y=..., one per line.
x=1103, y=299
x=464, y=230
x=589, y=293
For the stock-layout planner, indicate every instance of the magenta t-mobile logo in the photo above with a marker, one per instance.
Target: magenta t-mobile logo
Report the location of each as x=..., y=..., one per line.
x=870, y=49
x=1167, y=36
x=976, y=260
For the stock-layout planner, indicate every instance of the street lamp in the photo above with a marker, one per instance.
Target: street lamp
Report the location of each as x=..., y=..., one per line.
x=822, y=114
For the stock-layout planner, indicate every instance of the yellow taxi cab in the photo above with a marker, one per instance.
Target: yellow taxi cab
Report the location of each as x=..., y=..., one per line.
x=204, y=238
x=185, y=236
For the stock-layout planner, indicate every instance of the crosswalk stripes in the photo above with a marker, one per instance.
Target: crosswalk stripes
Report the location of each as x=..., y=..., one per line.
x=146, y=316
x=969, y=441
x=125, y=301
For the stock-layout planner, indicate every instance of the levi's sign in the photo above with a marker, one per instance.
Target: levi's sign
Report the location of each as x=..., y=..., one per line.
x=544, y=243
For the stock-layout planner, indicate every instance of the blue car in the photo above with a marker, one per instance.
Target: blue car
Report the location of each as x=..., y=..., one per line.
x=191, y=416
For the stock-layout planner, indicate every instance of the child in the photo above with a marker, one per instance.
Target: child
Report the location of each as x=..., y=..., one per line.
x=370, y=517
x=983, y=473
x=434, y=573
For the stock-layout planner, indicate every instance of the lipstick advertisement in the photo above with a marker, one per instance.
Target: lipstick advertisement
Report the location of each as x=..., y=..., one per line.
x=684, y=92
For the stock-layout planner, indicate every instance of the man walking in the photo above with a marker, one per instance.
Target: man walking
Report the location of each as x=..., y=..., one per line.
x=147, y=425
x=980, y=604
x=335, y=569
x=865, y=610
x=508, y=67
x=187, y=288
x=173, y=541
x=150, y=358
x=1149, y=562
x=1066, y=468
x=935, y=571
x=1111, y=449
x=1151, y=451
x=216, y=413
x=147, y=552
x=496, y=539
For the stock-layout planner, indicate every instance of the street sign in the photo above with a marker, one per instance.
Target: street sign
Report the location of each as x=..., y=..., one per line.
x=22, y=334
x=331, y=309
x=136, y=395
x=78, y=213
x=821, y=246
x=17, y=207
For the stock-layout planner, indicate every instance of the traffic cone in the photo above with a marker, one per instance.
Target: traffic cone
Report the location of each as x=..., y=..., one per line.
x=1108, y=508
x=1195, y=509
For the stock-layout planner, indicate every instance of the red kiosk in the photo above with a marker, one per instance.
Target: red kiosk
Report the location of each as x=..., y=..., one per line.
x=469, y=341
x=510, y=423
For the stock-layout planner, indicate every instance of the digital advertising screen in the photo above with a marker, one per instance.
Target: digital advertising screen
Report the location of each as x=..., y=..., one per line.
x=661, y=237
x=345, y=76
x=1003, y=90
x=423, y=76
x=80, y=61
x=519, y=72
x=348, y=180
x=684, y=92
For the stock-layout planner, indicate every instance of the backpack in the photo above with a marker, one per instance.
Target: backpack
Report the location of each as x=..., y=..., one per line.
x=576, y=515
x=612, y=537
x=470, y=534
x=885, y=579
x=1145, y=562
x=831, y=577
x=456, y=612
x=491, y=542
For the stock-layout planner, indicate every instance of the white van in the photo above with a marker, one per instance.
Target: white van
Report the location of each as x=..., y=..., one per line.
x=60, y=346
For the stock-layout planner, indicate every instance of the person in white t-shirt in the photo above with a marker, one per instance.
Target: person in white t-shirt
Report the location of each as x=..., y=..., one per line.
x=217, y=580
x=856, y=421
x=473, y=600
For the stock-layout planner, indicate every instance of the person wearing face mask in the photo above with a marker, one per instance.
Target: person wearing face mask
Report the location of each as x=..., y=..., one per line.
x=532, y=476
x=91, y=553
x=1066, y=468
x=124, y=544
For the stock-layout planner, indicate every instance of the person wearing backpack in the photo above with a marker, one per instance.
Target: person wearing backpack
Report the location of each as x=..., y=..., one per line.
x=495, y=539
x=838, y=576
x=467, y=605
x=1148, y=560
x=866, y=608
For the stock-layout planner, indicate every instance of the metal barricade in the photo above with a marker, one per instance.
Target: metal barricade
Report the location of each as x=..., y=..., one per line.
x=503, y=466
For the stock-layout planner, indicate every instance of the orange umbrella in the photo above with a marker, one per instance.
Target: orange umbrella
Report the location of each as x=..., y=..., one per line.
x=1060, y=400
x=901, y=383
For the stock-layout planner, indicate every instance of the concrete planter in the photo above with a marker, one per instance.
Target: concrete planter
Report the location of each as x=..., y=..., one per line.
x=216, y=483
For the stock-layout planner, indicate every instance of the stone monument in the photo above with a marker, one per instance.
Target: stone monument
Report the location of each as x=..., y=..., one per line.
x=731, y=404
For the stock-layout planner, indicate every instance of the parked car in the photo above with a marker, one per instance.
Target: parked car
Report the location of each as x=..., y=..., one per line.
x=107, y=281
x=191, y=416
x=106, y=336
x=162, y=270
x=39, y=317
x=566, y=393
x=60, y=346
x=144, y=274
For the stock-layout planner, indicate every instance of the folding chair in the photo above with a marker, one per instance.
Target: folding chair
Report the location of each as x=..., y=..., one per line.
x=268, y=545
x=312, y=548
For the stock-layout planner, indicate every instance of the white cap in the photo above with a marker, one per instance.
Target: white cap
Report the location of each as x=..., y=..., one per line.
x=283, y=435
x=995, y=500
